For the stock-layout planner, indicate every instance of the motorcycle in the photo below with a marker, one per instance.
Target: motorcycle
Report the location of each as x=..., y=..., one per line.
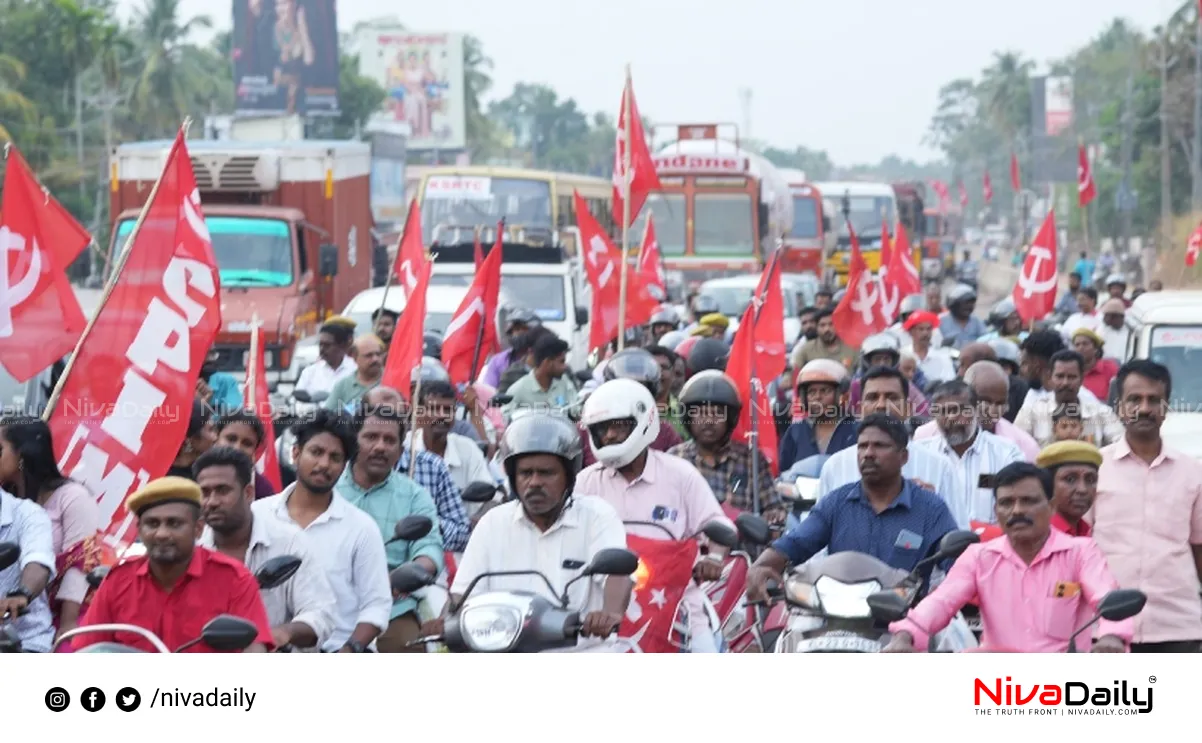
x=512, y=621
x=828, y=602
x=1115, y=606
x=746, y=627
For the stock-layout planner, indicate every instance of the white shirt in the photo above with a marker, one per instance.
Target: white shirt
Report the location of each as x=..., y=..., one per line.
x=307, y=596
x=27, y=524
x=937, y=366
x=987, y=454
x=1115, y=341
x=505, y=539
x=349, y=544
x=320, y=377
x=924, y=464
x=1080, y=320
x=463, y=458
x=904, y=339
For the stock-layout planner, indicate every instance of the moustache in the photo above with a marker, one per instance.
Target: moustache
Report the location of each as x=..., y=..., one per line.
x=1018, y=520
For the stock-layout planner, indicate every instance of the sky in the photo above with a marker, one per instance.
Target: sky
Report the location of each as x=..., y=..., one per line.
x=857, y=78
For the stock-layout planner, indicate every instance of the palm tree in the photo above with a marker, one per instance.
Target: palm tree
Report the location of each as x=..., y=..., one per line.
x=160, y=96
x=12, y=74
x=1006, y=93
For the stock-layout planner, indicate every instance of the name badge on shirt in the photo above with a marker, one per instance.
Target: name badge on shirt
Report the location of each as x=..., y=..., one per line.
x=908, y=540
x=987, y=482
x=663, y=513
x=1066, y=589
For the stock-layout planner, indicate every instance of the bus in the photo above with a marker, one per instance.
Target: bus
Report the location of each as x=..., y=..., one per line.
x=720, y=211
x=866, y=205
x=812, y=237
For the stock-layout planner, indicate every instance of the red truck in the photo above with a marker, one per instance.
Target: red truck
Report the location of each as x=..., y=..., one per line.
x=291, y=225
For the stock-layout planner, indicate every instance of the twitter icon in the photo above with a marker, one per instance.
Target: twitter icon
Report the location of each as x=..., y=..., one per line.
x=128, y=699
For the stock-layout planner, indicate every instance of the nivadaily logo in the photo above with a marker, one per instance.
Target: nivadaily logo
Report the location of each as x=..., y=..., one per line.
x=1069, y=698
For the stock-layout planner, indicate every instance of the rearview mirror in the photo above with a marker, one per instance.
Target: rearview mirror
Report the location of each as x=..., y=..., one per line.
x=498, y=401
x=581, y=317
x=327, y=260
x=584, y=376
x=320, y=396
x=826, y=223
x=613, y=561
x=9, y=554
x=887, y=606
x=753, y=529
x=276, y=571
x=479, y=492
x=96, y=576
x=228, y=633
x=721, y=534
x=1121, y=604
x=409, y=577
x=411, y=528
x=954, y=543
x=301, y=396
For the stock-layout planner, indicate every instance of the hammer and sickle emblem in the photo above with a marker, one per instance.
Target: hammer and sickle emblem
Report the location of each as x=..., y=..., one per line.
x=1029, y=281
x=867, y=295
x=13, y=295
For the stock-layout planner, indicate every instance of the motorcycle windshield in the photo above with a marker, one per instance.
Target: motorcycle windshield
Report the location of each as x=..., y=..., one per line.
x=852, y=567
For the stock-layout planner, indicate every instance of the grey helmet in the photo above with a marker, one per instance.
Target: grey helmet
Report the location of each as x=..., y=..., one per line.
x=1116, y=278
x=881, y=343
x=961, y=293
x=1001, y=311
x=431, y=370
x=541, y=432
x=672, y=339
x=520, y=316
x=1006, y=350
x=636, y=364
x=911, y=303
x=665, y=316
x=704, y=304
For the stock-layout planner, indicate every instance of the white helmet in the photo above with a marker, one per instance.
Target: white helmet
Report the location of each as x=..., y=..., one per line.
x=618, y=399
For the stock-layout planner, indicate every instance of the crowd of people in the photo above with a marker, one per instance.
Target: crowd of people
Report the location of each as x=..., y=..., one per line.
x=1042, y=440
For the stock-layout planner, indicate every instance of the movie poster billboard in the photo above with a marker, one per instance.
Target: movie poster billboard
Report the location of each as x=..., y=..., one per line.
x=285, y=57
x=1058, y=104
x=422, y=74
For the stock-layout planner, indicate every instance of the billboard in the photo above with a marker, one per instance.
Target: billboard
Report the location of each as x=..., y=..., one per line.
x=1051, y=150
x=285, y=55
x=388, y=202
x=1058, y=105
x=422, y=74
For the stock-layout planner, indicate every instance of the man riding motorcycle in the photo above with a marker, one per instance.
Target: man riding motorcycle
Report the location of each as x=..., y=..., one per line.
x=639, y=365
x=546, y=529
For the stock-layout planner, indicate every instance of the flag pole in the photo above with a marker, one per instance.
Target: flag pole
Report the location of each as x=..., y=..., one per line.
x=252, y=365
x=622, y=281
x=122, y=259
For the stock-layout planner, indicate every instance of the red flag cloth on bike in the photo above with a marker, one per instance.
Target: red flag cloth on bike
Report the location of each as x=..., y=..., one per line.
x=1194, y=246
x=40, y=316
x=1087, y=190
x=410, y=253
x=475, y=321
x=642, y=177
x=902, y=272
x=859, y=314
x=1035, y=293
x=665, y=571
x=601, y=266
x=127, y=401
x=1016, y=181
x=408, y=340
x=267, y=464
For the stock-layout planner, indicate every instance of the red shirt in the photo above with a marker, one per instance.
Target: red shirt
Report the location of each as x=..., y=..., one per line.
x=213, y=584
x=1060, y=524
x=1097, y=379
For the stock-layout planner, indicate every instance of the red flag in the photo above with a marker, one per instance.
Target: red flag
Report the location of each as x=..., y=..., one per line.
x=475, y=321
x=886, y=247
x=890, y=295
x=758, y=355
x=601, y=265
x=1194, y=246
x=859, y=313
x=410, y=253
x=40, y=316
x=665, y=571
x=944, y=197
x=987, y=187
x=1016, y=181
x=1035, y=293
x=1086, y=190
x=478, y=250
x=258, y=401
x=642, y=178
x=127, y=400
x=405, y=350
x=651, y=264
x=902, y=272
x=963, y=195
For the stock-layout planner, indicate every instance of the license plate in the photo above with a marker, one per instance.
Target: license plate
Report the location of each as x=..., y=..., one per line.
x=838, y=644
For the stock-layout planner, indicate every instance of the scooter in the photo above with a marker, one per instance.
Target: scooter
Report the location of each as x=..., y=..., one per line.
x=746, y=627
x=828, y=602
x=512, y=621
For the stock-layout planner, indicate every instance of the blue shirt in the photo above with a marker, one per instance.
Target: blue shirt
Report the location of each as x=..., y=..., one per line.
x=950, y=329
x=1084, y=268
x=800, y=443
x=844, y=521
x=226, y=395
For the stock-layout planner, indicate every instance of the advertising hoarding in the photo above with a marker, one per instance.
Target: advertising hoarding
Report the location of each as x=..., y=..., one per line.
x=285, y=55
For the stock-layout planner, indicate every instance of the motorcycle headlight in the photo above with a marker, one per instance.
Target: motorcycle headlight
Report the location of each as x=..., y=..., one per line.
x=845, y=600
x=807, y=489
x=799, y=592
x=489, y=629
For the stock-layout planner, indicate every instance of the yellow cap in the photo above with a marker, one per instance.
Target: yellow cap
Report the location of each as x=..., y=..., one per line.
x=1069, y=452
x=342, y=320
x=715, y=320
x=1098, y=340
x=163, y=490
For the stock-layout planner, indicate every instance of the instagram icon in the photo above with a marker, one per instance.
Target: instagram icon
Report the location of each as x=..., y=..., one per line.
x=57, y=699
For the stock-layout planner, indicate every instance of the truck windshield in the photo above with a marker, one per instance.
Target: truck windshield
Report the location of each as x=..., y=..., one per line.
x=805, y=217
x=668, y=213
x=733, y=300
x=467, y=202
x=722, y=224
x=867, y=213
x=250, y=251
x=1179, y=347
x=932, y=225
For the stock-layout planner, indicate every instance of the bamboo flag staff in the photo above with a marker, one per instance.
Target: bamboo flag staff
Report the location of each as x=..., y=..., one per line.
x=627, y=137
x=252, y=364
x=108, y=288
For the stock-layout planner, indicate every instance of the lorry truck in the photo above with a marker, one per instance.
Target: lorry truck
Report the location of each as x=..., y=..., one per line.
x=291, y=226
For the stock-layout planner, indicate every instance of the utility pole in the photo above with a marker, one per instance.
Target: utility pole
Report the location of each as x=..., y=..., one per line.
x=83, y=188
x=1195, y=165
x=1164, y=62
x=1125, y=153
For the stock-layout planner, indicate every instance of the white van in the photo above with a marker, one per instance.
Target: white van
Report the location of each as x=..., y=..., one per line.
x=1166, y=327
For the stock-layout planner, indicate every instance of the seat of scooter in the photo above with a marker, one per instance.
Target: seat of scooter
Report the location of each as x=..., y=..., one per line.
x=852, y=567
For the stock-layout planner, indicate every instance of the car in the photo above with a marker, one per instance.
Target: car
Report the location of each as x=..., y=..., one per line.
x=734, y=293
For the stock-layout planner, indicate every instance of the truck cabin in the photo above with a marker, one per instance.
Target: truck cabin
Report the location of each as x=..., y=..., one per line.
x=813, y=220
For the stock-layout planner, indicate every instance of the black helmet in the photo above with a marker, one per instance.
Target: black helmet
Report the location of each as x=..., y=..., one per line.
x=708, y=353
x=710, y=387
x=961, y=293
x=432, y=345
x=541, y=432
x=521, y=316
x=704, y=304
x=636, y=364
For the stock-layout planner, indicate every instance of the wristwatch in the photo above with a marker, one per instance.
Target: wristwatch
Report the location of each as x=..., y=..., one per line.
x=356, y=646
x=23, y=592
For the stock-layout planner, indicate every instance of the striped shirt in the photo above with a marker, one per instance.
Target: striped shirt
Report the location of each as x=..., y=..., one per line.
x=924, y=465
x=1102, y=426
x=987, y=454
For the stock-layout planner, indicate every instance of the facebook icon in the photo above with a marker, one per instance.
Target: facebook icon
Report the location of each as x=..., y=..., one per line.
x=92, y=699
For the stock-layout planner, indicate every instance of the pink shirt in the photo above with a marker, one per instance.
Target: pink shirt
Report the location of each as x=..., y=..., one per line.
x=1144, y=519
x=1004, y=428
x=74, y=516
x=669, y=487
x=1019, y=606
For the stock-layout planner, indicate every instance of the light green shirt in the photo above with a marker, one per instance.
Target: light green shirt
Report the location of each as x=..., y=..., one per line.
x=346, y=391
x=527, y=393
x=388, y=503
